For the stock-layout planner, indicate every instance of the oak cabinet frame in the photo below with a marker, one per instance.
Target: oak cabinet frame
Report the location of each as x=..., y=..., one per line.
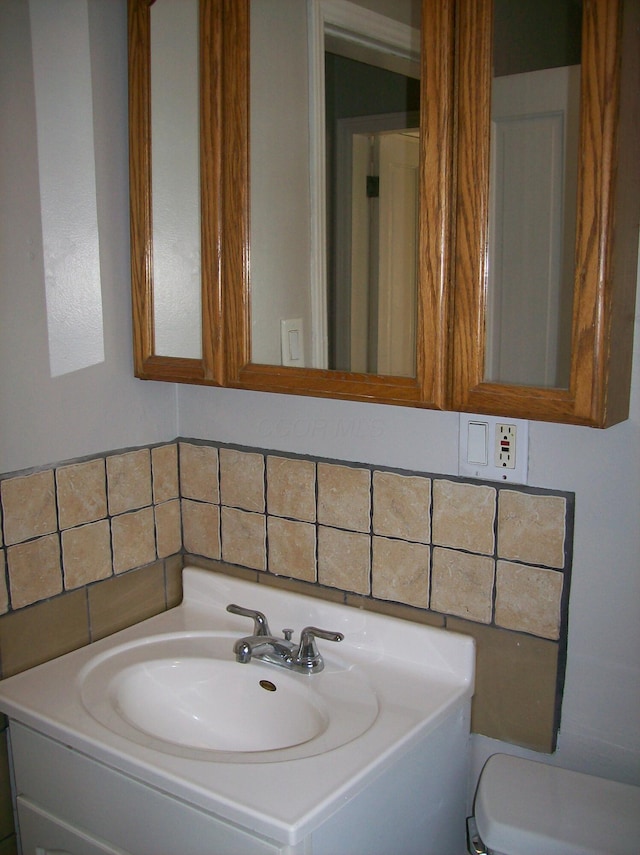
x=453, y=220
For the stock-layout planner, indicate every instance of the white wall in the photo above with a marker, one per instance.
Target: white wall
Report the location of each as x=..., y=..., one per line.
x=600, y=730
x=103, y=407
x=45, y=419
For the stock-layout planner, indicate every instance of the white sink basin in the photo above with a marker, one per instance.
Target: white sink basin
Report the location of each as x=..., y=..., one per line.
x=184, y=693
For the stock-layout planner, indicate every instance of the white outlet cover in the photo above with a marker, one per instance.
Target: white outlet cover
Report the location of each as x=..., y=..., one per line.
x=490, y=471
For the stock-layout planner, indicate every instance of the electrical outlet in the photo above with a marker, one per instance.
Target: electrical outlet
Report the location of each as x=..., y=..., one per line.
x=505, y=449
x=493, y=448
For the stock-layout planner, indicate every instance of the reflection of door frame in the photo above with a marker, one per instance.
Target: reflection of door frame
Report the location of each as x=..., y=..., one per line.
x=355, y=25
x=346, y=130
x=536, y=293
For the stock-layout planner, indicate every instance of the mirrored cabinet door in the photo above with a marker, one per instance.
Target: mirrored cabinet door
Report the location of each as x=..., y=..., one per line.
x=336, y=261
x=547, y=209
x=174, y=104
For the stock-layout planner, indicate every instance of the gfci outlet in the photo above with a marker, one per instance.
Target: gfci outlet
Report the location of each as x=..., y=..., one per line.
x=505, y=448
x=493, y=448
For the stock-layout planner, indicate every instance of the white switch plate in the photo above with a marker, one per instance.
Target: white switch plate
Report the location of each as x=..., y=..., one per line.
x=481, y=453
x=292, y=342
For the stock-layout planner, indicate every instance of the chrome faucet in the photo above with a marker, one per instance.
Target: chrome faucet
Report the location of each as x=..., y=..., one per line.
x=304, y=658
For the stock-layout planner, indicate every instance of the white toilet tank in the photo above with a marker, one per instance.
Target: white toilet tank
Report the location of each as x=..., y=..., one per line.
x=527, y=808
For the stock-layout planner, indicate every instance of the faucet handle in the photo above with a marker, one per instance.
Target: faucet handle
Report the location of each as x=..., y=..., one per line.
x=308, y=655
x=260, y=625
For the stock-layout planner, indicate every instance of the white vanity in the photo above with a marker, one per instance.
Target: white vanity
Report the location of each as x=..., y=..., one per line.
x=156, y=741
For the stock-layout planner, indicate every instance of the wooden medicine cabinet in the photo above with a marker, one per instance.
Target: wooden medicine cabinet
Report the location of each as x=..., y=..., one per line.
x=467, y=289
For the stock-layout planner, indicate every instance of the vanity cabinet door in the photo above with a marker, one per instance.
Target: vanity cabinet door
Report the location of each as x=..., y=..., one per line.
x=78, y=792
x=601, y=234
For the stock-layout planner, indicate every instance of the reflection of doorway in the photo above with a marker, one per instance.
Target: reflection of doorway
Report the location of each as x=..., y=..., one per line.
x=375, y=244
x=532, y=231
x=362, y=103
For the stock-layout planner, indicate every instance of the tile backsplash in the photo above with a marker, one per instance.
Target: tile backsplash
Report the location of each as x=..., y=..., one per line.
x=484, y=558
x=487, y=553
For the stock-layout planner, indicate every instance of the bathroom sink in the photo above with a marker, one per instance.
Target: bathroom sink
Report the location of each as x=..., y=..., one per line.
x=163, y=709
x=185, y=693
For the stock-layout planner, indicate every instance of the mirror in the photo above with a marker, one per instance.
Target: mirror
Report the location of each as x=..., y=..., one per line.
x=602, y=37
x=175, y=185
x=465, y=298
x=334, y=184
x=175, y=178
x=535, y=112
x=317, y=335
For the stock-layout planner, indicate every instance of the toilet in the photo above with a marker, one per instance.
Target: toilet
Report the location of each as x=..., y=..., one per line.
x=523, y=807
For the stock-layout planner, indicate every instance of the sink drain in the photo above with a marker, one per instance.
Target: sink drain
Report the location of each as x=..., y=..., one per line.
x=268, y=686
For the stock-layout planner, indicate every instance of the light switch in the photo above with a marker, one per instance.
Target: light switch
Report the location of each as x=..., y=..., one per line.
x=477, y=443
x=294, y=345
x=292, y=342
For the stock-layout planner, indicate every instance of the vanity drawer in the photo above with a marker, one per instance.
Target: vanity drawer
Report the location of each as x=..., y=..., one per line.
x=113, y=807
x=41, y=833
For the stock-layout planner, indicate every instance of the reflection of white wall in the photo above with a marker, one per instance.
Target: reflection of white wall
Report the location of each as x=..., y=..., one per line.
x=280, y=213
x=176, y=178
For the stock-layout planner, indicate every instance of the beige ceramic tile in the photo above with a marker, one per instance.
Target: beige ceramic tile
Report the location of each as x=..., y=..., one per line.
x=529, y=599
x=134, y=541
x=244, y=538
x=462, y=584
x=401, y=505
x=344, y=497
x=515, y=691
x=43, y=631
x=242, y=480
x=401, y=571
x=29, y=506
x=199, y=472
x=398, y=610
x=127, y=599
x=34, y=570
x=82, y=493
x=531, y=528
x=164, y=469
x=292, y=548
x=246, y=573
x=1, y=526
x=129, y=481
x=168, y=528
x=464, y=516
x=344, y=560
x=201, y=528
x=173, y=580
x=291, y=488
x=86, y=554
